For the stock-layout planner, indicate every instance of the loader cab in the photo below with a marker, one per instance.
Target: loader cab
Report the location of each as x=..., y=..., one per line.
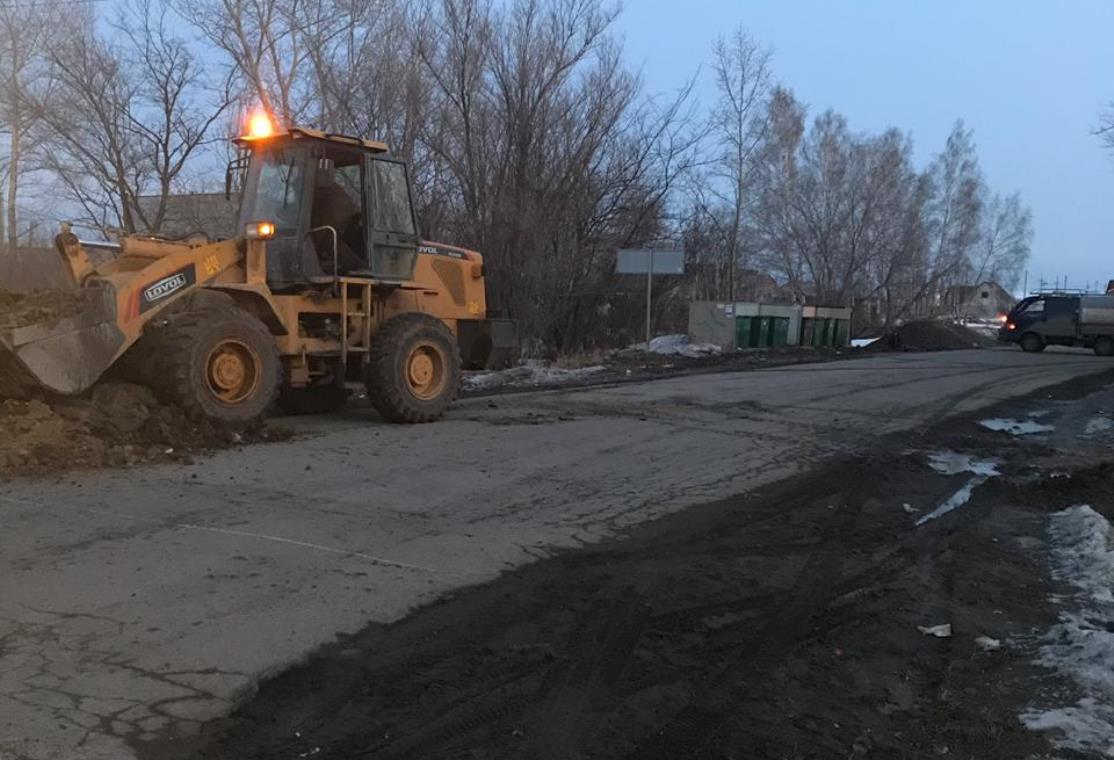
x=341, y=207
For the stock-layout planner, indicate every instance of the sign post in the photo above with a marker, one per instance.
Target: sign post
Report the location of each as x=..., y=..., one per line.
x=650, y=262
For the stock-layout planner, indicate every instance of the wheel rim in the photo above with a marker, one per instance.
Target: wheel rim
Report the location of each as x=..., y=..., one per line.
x=425, y=371
x=232, y=371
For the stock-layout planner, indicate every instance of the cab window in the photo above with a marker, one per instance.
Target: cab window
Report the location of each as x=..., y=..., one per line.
x=1033, y=307
x=274, y=190
x=392, y=198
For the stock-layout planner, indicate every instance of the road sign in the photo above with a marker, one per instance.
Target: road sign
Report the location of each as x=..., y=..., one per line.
x=648, y=261
x=652, y=264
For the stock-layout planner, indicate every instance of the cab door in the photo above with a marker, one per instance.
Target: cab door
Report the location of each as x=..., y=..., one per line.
x=393, y=232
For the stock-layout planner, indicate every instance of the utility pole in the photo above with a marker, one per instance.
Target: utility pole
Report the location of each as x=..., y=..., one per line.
x=649, y=295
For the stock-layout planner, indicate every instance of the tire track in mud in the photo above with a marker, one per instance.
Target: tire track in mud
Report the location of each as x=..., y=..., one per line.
x=699, y=728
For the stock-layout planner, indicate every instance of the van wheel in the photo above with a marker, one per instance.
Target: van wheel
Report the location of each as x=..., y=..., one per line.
x=1104, y=347
x=1032, y=343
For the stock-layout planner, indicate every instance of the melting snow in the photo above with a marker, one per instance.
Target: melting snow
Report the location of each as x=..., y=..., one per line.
x=1015, y=427
x=529, y=374
x=1098, y=425
x=677, y=345
x=955, y=501
x=953, y=463
x=1081, y=646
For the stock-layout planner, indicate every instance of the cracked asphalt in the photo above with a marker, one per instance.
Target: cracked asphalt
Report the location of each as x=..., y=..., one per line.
x=137, y=605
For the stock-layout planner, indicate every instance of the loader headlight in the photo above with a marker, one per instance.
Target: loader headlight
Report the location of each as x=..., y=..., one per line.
x=260, y=230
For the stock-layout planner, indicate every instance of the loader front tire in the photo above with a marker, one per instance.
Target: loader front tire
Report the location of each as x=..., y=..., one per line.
x=414, y=370
x=219, y=364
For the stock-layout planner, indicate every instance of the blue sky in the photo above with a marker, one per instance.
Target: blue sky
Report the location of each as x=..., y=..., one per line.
x=1030, y=78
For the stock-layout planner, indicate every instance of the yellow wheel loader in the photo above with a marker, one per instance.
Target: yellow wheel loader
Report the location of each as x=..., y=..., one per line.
x=327, y=285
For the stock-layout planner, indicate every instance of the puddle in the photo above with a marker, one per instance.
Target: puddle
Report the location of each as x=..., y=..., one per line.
x=1098, y=425
x=954, y=463
x=955, y=501
x=1015, y=427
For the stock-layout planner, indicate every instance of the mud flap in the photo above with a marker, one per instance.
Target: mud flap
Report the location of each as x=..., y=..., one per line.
x=64, y=356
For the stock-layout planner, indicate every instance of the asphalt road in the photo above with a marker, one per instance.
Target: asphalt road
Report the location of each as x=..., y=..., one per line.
x=136, y=605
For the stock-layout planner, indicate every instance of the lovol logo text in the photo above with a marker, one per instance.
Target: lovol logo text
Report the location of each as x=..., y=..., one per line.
x=167, y=286
x=163, y=288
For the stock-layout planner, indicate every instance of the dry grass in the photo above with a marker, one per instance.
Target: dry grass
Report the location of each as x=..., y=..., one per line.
x=579, y=359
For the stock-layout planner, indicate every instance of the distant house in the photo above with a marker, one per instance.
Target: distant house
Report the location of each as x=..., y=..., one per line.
x=209, y=214
x=753, y=285
x=984, y=301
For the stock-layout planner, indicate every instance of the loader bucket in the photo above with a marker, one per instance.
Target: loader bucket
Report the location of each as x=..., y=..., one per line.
x=63, y=355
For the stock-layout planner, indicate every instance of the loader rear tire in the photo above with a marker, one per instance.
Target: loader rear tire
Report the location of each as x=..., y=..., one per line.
x=220, y=365
x=414, y=371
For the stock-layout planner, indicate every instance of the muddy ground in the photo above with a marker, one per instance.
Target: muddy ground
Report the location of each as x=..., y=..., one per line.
x=43, y=306
x=780, y=624
x=115, y=424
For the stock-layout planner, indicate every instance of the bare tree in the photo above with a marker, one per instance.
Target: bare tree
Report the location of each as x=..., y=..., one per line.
x=1105, y=130
x=126, y=117
x=1004, y=243
x=26, y=29
x=737, y=128
x=269, y=46
x=551, y=157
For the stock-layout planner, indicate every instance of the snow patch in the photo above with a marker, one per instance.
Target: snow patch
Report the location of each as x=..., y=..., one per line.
x=1098, y=424
x=677, y=345
x=955, y=501
x=954, y=463
x=862, y=342
x=528, y=374
x=1015, y=427
x=1081, y=646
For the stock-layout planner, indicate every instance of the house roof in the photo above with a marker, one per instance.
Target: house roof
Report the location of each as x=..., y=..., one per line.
x=210, y=214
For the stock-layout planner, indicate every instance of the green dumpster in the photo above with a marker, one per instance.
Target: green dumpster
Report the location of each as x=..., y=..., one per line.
x=779, y=335
x=742, y=332
x=843, y=332
x=760, y=332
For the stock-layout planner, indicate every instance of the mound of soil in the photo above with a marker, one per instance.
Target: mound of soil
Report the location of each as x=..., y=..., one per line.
x=929, y=335
x=22, y=309
x=115, y=424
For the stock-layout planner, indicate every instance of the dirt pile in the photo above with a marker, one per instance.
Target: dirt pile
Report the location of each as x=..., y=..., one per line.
x=115, y=424
x=929, y=335
x=22, y=309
